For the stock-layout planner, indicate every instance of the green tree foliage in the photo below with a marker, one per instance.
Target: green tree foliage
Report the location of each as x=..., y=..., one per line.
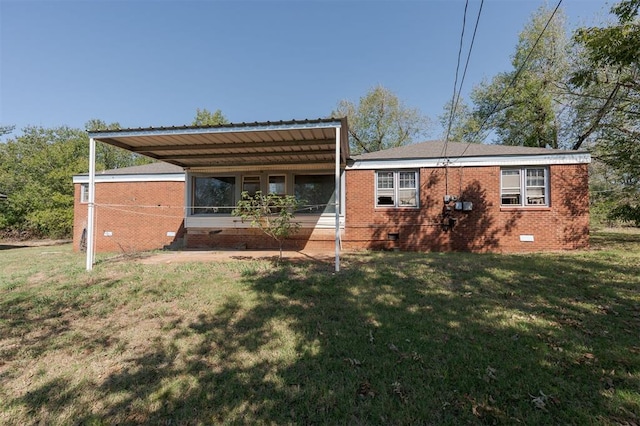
x=465, y=125
x=110, y=157
x=610, y=77
x=273, y=214
x=380, y=121
x=207, y=118
x=523, y=107
x=5, y=130
x=36, y=170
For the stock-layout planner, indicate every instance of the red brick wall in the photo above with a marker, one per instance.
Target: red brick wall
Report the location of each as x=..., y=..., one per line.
x=488, y=227
x=563, y=225
x=139, y=215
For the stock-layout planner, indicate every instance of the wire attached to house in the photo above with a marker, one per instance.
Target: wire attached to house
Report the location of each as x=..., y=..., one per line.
x=456, y=96
x=457, y=90
x=455, y=81
x=512, y=82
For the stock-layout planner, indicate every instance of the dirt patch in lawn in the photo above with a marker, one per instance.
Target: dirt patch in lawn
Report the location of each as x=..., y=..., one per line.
x=212, y=256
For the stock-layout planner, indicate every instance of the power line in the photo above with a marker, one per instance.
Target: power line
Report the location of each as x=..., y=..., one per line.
x=457, y=90
x=455, y=82
x=513, y=80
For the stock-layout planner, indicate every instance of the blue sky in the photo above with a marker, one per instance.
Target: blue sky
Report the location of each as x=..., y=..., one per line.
x=152, y=63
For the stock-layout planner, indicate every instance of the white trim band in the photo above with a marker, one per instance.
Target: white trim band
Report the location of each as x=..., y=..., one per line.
x=169, y=177
x=498, y=160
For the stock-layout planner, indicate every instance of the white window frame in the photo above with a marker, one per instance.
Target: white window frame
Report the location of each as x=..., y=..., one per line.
x=84, y=193
x=396, y=190
x=525, y=199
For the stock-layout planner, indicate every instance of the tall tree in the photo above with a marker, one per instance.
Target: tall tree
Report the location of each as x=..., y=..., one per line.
x=206, y=118
x=463, y=125
x=380, y=121
x=5, y=130
x=612, y=71
x=36, y=170
x=523, y=106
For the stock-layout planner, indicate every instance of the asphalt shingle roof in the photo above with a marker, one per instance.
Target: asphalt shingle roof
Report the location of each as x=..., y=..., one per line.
x=146, y=169
x=436, y=149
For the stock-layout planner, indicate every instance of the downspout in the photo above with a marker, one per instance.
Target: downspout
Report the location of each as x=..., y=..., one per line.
x=91, y=204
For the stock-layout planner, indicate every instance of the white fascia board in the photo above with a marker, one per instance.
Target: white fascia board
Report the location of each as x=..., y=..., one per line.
x=169, y=177
x=498, y=160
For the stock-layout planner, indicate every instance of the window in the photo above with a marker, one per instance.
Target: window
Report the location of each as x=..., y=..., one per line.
x=277, y=185
x=524, y=187
x=397, y=189
x=84, y=193
x=251, y=185
x=213, y=195
x=315, y=192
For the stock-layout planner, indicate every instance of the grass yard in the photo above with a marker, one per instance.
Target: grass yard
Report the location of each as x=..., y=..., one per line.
x=395, y=338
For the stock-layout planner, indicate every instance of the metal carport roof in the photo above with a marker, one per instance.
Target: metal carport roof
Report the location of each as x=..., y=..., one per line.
x=313, y=143
x=234, y=145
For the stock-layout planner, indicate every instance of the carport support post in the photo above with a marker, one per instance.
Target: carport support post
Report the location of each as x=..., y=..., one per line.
x=337, y=195
x=90, y=204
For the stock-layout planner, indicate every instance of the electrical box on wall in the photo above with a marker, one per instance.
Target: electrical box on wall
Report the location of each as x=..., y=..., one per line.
x=465, y=206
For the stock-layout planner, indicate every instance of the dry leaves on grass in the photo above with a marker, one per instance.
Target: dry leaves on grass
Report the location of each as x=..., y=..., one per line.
x=400, y=391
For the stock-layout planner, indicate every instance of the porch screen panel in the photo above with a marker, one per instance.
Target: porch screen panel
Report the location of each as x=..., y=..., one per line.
x=213, y=195
x=315, y=192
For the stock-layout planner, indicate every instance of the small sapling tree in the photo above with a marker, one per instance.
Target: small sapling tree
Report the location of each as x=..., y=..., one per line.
x=271, y=213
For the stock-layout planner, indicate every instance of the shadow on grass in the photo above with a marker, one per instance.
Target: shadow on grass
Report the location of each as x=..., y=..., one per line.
x=395, y=338
x=11, y=246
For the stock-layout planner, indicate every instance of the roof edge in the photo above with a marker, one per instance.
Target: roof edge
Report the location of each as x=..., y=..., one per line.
x=475, y=161
x=243, y=126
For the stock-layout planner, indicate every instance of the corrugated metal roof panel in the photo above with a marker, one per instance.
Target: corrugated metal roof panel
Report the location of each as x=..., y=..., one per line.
x=259, y=142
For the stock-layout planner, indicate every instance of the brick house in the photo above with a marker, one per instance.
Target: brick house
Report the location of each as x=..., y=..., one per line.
x=498, y=198
x=429, y=196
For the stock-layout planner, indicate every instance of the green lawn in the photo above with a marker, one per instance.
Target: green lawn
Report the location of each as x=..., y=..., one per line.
x=395, y=338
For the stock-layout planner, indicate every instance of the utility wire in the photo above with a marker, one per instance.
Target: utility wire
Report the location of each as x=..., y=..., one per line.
x=455, y=83
x=513, y=80
x=466, y=66
x=456, y=99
